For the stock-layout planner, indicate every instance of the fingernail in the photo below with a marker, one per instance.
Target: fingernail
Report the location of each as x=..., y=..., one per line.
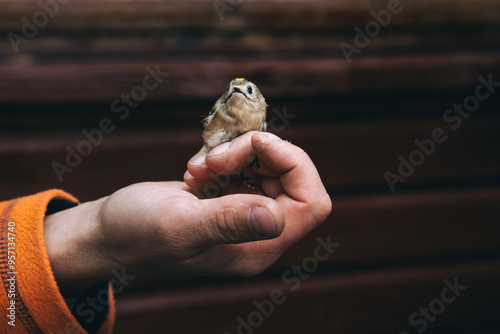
x=220, y=149
x=271, y=136
x=263, y=140
x=262, y=222
x=198, y=160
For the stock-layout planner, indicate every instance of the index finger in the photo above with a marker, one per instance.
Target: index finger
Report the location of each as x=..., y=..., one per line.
x=278, y=158
x=298, y=174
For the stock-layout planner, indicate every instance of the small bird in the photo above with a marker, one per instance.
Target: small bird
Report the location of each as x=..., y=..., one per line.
x=240, y=109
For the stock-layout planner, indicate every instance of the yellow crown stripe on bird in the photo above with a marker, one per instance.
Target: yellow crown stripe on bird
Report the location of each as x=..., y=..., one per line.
x=239, y=79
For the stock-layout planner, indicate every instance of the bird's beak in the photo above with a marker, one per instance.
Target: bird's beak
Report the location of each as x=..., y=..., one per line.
x=236, y=89
x=233, y=89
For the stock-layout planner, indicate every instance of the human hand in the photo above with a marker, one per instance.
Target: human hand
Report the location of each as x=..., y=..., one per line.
x=168, y=227
x=286, y=175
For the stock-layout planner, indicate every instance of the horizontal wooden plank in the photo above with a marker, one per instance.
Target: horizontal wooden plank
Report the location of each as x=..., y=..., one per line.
x=406, y=228
x=175, y=12
x=360, y=154
x=176, y=26
x=364, y=302
x=191, y=80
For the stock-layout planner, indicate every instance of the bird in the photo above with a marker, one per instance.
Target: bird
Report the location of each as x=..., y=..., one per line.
x=242, y=108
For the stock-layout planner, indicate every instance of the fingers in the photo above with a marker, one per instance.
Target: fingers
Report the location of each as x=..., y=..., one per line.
x=298, y=175
x=199, y=174
x=238, y=156
x=236, y=219
x=272, y=187
x=299, y=189
x=194, y=182
x=290, y=178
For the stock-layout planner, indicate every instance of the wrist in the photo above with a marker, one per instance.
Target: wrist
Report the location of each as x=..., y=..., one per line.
x=75, y=248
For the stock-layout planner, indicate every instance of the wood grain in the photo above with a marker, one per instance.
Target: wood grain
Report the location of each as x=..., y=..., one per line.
x=305, y=77
x=93, y=27
x=341, y=303
x=353, y=119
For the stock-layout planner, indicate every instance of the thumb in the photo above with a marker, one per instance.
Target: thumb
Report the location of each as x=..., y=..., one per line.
x=239, y=218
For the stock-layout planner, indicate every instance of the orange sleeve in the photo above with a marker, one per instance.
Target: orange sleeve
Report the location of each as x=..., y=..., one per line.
x=30, y=301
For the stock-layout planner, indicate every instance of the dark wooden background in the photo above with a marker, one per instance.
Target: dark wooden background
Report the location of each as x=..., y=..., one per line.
x=354, y=119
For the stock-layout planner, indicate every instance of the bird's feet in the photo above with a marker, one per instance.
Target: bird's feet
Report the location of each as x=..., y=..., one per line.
x=248, y=184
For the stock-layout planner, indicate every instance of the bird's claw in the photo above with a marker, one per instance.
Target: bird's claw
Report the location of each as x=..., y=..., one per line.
x=248, y=184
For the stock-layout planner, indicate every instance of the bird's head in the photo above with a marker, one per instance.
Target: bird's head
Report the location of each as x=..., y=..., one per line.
x=242, y=92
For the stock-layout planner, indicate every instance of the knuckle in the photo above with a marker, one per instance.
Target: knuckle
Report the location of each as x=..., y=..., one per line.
x=323, y=207
x=226, y=223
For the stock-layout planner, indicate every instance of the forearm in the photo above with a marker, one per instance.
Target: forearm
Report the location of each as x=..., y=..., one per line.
x=75, y=248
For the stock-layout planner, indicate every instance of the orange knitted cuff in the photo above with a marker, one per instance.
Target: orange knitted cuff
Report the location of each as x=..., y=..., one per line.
x=30, y=301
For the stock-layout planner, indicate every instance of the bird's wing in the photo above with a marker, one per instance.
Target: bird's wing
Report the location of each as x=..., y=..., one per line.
x=207, y=120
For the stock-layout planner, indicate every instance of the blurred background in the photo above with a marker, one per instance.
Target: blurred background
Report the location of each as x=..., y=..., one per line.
x=358, y=81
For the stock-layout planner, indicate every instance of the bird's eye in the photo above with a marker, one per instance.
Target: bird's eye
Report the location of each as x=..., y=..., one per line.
x=250, y=90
